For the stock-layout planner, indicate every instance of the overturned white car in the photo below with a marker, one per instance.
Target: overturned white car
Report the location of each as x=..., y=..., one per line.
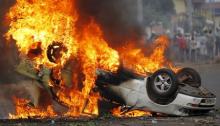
x=164, y=91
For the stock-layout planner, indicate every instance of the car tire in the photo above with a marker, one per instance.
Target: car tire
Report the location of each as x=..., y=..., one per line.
x=189, y=76
x=162, y=86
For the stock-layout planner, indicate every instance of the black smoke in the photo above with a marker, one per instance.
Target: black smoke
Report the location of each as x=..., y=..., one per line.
x=117, y=18
x=8, y=52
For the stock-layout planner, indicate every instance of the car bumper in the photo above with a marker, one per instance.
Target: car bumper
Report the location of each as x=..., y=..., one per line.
x=192, y=102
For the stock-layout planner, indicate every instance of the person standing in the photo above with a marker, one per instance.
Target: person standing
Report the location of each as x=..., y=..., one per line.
x=202, y=47
x=193, y=48
x=210, y=45
x=182, y=47
x=217, y=45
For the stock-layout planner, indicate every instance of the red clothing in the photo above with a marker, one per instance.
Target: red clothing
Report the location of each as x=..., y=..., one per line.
x=181, y=42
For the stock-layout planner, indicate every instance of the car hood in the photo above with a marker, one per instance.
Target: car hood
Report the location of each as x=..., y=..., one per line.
x=200, y=92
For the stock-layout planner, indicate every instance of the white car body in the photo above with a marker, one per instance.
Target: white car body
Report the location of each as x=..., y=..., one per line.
x=134, y=93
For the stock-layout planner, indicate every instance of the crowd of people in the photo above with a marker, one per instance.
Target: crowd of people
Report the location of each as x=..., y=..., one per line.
x=195, y=47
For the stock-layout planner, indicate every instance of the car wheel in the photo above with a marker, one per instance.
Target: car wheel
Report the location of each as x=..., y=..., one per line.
x=162, y=86
x=189, y=76
x=54, y=51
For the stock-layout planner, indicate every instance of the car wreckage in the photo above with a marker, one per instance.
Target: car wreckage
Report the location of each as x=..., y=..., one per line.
x=163, y=91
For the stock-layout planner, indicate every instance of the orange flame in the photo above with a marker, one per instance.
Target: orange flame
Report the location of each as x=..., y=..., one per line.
x=36, y=24
x=134, y=59
x=93, y=53
x=133, y=113
x=26, y=111
x=34, y=21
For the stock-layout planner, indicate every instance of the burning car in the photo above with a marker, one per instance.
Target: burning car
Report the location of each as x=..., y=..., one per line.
x=69, y=57
x=163, y=91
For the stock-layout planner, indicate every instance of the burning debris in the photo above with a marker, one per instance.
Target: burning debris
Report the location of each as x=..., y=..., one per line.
x=46, y=22
x=132, y=113
x=26, y=110
x=63, y=58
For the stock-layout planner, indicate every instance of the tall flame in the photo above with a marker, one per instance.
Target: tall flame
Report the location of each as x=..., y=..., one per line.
x=40, y=23
x=135, y=59
x=34, y=21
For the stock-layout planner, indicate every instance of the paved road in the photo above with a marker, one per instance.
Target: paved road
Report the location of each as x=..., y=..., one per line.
x=210, y=74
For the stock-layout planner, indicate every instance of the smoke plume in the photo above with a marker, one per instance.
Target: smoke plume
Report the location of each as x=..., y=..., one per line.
x=117, y=18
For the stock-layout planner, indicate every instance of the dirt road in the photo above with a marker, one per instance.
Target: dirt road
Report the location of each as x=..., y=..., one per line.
x=142, y=121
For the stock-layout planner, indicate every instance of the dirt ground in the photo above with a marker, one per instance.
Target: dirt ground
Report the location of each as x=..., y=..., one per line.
x=110, y=121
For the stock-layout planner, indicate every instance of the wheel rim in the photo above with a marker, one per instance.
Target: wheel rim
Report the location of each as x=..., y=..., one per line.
x=162, y=82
